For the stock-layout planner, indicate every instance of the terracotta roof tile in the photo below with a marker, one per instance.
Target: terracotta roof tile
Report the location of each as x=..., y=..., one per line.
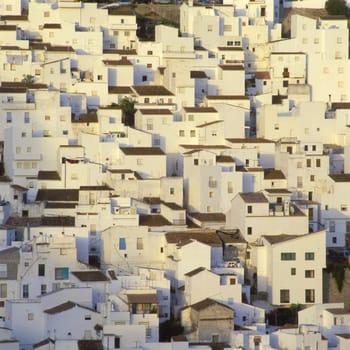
x=48, y=175
x=200, y=110
x=208, y=237
x=233, y=67
x=90, y=344
x=61, y=195
x=208, y=217
x=153, y=220
x=253, y=197
x=142, y=151
x=120, y=90
x=90, y=276
x=155, y=111
x=273, y=174
x=152, y=90
x=195, y=74
x=52, y=26
x=195, y=271
x=147, y=298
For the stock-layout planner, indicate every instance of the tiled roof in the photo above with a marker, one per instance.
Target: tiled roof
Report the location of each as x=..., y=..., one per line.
x=14, y=18
x=333, y=17
x=229, y=48
x=60, y=48
x=122, y=62
x=246, y=140
x=200, y=147
x=278, y=190
x=90, y=276
x=7, y=27
x=148, y=298
x=120, y=171
x=67, y=221
x=279, y=238
x=340, y=105
x=209, y=123
x=19, y=188
x=208, y=217
x=44, y=342
x=204, y=304
x=153, y=220
x=173, y=206
x=120, y=51
x=90, y=344
x=60, y=205
x=198, y=74
x=231, y=67
x=64, y=307
x=208, y=237
x=96, y=188
x=155, y=111
x=142, y=151
x=273, y=174
x=231, y=236
x=253, y=197
x=339, y=311
x=120, y=90
x=152, y=200
x=61, y=195
x=86, y=118
x=152, y=90
x=5, y=179
x=48, y=175
x=200, y=48
x=224, y=159
x=52, y=26
x=61, y=308
x=195, y=271
x=200, y=110
x=340, y=177
x=262, y=75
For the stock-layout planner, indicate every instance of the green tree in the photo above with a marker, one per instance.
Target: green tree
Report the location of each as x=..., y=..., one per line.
x=336, y=7
x=128, y=108
x=28, y=79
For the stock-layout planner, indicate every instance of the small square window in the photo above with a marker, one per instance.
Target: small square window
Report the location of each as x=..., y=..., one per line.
x=293, y=271
x=30, y=316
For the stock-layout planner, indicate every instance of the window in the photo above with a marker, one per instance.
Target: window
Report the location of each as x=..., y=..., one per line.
x=277, y=127
x=312, y=178
x=122, y=243
x=30, y=316
x=127, y=33
x=249, y=230
x=334, y=240
x=285, y=83
x=193, y=133
x=228, y=28
x=284, y=296
x=309, y=256
x=43, y=289
x=3, y=270
x=249, y=209
x=87, y=317
x=149, y=52
x=116, y=342
x=293, y=271
x=299, y=165
x=229, y=187
x=309, y=295
x=318, y=163
x=331, y=226
x=309, y=273
x=210, y=28
x=47, y=117
x=343, y=207
x=172, y=190
x=211, y=194
x=47, y=14
x=26, y=117
x=8, y=117
x=212, y=182
x=41, y=270
x=139, y=243
x=3, y=290
x=25, y=291
x=288, y=256
x=308, y=163
x=61, y=273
